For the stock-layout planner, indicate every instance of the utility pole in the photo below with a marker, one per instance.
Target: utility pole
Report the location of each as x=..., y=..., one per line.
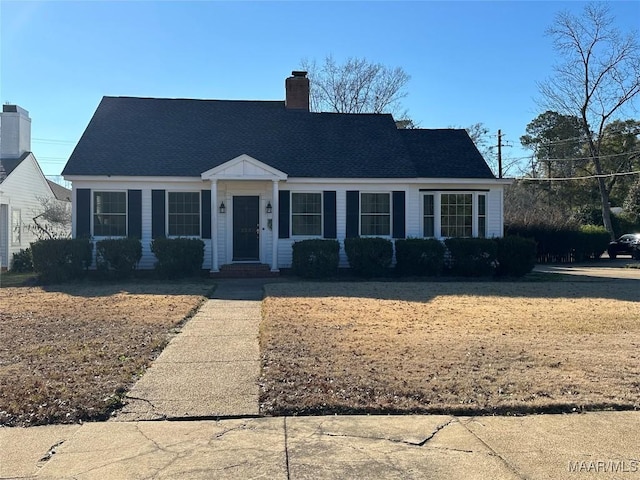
x=499, y=153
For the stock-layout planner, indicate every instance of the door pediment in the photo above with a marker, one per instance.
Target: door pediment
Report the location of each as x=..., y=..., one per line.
x=244, y=167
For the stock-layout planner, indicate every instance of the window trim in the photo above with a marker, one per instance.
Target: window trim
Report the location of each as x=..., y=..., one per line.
x=168, y=214
x=291, y=214
x=93, y=212
x=437, y=204
x=19, y=231
x=390, y=214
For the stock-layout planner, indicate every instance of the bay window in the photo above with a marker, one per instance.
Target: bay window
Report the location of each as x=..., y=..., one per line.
x=454, y=214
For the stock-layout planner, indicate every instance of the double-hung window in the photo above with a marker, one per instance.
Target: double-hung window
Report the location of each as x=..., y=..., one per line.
x=429, y=215
x=375, y=214
x=184, y=214
x=109, y=214
x=482, y=216
x=306, y=214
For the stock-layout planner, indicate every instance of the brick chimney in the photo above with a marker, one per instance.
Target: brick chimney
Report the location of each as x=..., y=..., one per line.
x=297, y=88
x=15, y=131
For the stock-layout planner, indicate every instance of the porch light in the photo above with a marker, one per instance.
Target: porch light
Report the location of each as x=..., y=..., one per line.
x=269, y=208
x=222, y=207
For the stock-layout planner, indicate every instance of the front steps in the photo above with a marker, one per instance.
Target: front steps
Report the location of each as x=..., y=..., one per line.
x=244, y=270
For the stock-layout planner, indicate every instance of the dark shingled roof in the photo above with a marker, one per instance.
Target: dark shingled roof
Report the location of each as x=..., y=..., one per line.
x=10, y=164
x=60, y=192
x=439, y=153
x=182, y=137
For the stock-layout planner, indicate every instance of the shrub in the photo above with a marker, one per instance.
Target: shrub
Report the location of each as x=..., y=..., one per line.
x=22, y=261
x=419, y=256
x=59, y=260
x=118, y=257
x=564, y=244
x=472, y=257
x=591, y=243
x=316, y=258
x=369, y=257
x=178, y=257
x=516, y=256
x=624, y=223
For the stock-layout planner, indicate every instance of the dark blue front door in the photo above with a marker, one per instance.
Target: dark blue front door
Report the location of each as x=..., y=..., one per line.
x=246, y=228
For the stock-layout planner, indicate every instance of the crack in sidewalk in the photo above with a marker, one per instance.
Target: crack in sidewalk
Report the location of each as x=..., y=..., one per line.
x=406, y=442
x=50, y=453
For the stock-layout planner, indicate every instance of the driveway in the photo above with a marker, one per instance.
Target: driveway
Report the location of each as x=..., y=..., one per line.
x=622, y=268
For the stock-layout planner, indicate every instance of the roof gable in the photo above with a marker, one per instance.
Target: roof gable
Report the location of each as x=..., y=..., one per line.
x=244, y=167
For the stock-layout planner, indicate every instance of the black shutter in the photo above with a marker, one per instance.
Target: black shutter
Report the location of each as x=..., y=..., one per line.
x=330, y=222
x=284, y=206
x=398, y=215
x=205, y=211
x=158, y=209
x=83, y=212
x=353, y=213
x=134, y=214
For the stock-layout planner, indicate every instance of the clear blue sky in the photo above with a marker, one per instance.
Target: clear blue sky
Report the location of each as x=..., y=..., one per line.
x=469, y=61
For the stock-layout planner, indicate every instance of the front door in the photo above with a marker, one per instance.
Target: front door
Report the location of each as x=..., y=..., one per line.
x=246, y=228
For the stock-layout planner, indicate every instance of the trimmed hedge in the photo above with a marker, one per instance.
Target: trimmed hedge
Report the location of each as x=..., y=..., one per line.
x=592, y=242
x=419, y=256
x=369, y=257
x=316, y=258
x=178, y=257
x=516, y=256
x=59, y=260
x=558, y=245
x=118, y=257
x=472, y=257
x=22, y=261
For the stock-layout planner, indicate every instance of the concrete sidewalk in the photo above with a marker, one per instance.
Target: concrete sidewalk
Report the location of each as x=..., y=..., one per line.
x=211, y=368
x=590, y=446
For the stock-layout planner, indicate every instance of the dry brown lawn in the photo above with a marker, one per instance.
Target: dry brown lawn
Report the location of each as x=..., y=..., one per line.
x=472, y=348
x=68, y=353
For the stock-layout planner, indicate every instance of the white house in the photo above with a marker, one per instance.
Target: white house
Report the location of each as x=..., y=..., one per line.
x=252, y=177
x=23, y=187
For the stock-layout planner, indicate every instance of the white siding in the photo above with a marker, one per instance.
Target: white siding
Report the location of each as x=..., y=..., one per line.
x=22, y=191
x=227, y=189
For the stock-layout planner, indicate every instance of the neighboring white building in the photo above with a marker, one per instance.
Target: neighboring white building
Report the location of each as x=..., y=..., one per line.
x=22, y=185
x=252, y=177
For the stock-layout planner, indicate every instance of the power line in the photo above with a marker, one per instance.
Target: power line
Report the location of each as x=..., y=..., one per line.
x=53, y=141
x=528, y=157
x=588, y=158
x=561, y=179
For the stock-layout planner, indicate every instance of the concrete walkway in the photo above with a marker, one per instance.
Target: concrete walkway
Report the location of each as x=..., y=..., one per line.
x=211, y=368
x=581, y=446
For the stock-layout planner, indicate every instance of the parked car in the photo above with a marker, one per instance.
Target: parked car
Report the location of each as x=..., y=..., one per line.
x=627, y=244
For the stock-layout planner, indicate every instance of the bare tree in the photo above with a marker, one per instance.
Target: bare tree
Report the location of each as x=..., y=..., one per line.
x=598, y=77
x=53, y=219
x=356, y=86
